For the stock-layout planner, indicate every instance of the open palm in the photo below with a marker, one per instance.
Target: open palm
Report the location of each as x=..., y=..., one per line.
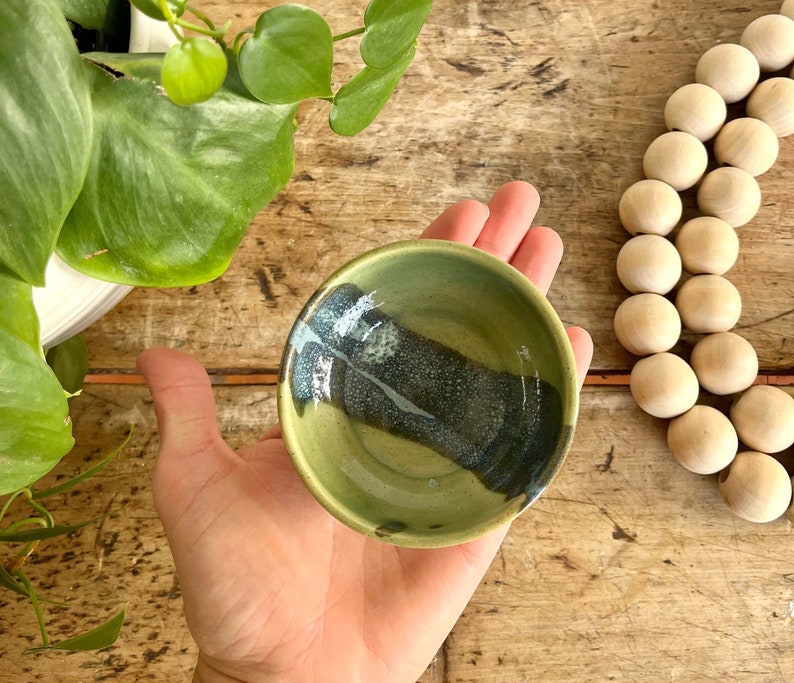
x=275, y=588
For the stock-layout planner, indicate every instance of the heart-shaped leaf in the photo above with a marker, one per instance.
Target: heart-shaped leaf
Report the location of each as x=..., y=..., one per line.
x=193, y=71
x=289, y=57
x=35, y=430
x=392, y=27
x=360, y=100
x=171, y=190
x=45, y=132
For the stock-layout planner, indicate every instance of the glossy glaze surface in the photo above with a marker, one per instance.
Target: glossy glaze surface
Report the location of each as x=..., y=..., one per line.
x=427, y=393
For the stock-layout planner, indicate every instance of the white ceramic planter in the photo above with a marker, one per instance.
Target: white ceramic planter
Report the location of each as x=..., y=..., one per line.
x=71, y=301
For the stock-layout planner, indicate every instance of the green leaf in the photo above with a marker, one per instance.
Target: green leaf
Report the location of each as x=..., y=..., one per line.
x=17, y=313
x=45, y=132
x=96, y=639
x=35, y=430
x=111, y=17
x=360, y=100
x=392, y=28
x=193, y=71
x=9, y=582
x=69, y=362
x=40, y=533
x=289, y=57
x=70, y=483
x=151, y=8
x=171, y=190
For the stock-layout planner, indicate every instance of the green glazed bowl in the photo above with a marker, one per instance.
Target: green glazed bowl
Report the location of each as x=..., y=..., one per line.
x=427, y=393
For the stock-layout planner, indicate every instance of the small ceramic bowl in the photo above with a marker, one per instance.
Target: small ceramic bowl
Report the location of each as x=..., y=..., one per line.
x=427, y=393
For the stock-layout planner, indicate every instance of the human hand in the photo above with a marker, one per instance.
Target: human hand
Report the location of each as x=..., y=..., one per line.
x=274, y=587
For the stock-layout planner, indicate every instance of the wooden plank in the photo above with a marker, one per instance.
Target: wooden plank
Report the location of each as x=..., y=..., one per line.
x=628, y=568
x=564, y=95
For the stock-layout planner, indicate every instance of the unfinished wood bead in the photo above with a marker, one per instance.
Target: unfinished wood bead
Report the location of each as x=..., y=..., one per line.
x=724, y=363
x=647, y=323
x=663, y=385
x=787, y=9
x=702, y=440
x=648, y=263
x=732, y=70
x=756, y=487
x=764, y=418
x=771, y=40
x=772, y=101
x=708, y=303
x=650, y=207
x=676, y=158
x=731, y=194
x=707, y=245
x=747, y=143
x=697, y=109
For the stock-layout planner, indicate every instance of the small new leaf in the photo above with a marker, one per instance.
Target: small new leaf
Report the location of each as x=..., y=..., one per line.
x=193, y=70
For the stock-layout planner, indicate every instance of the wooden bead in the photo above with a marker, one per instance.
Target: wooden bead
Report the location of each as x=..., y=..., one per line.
x=676, y=158
x=702, y=440
x=707, y=245
x=708, y=303
x=756, y=487
x=764, y=418
x=650, y=206
x=731, y=194
x=724, y=363
x=697, y=109
x=787, y=9
x=771, y=40
x=648, y=263
x=790, y=511
x=772, y=101
x=647, y=323
x=663, y=385
x=747, y=143
x=732, y=70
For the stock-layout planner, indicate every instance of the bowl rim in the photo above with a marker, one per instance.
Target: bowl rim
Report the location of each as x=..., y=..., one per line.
x=569, y=391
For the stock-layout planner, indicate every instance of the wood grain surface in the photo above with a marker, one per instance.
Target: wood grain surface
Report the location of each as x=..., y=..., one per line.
x=629, y=568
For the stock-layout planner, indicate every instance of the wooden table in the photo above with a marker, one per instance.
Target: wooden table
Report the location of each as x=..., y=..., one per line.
x=629, y=568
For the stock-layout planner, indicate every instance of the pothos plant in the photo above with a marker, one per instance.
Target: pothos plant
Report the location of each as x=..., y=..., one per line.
x=145, y=170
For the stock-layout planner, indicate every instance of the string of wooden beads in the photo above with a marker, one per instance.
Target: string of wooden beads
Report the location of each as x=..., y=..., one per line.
x=740, y=445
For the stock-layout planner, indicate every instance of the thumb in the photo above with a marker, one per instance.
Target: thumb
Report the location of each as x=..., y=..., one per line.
x=183, y=402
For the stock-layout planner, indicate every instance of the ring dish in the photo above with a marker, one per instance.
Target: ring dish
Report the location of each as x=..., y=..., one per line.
x=427, y=393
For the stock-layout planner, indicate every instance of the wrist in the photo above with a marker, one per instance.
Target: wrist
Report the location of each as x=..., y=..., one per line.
x=207, y=672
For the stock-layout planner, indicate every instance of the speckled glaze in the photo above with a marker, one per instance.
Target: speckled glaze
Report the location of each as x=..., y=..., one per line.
x=427, y=393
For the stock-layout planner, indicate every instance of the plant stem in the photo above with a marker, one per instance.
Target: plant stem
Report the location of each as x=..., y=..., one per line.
x=39, y=508
x=34, y=599
x=203, y=30
x=238, y=38
x=199, y=14
x=7, y=504
x=350, y=34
